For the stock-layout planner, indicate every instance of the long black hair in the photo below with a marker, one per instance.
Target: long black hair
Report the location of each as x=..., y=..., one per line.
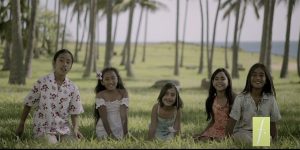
x=165, y=88
x=268, y=87
x=212, y=93
x=99, y=87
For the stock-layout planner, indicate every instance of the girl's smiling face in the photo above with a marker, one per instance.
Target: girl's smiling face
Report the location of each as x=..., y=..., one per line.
x=258, y=78
x=220, y=82
x=170, y=97
x=110, y=80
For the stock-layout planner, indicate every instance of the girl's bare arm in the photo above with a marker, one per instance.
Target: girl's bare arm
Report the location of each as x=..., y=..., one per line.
x=25, y=113
x=153, y=124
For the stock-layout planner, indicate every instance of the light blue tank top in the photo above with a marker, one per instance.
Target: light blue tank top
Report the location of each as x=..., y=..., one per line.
x=162, y=131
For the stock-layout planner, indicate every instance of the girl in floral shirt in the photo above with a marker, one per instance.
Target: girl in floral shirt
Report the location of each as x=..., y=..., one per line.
x=54, y=98
x=218, y=104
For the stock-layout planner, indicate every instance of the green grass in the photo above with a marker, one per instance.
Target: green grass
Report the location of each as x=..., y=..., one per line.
x=159, y=65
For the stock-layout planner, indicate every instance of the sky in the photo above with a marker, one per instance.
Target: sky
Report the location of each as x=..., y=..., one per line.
x=162, y=23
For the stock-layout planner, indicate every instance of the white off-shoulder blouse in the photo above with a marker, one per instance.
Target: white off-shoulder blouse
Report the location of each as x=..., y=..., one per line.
x=113, y=117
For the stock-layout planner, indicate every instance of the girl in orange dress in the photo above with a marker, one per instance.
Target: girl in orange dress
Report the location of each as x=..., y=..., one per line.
x=218, y=104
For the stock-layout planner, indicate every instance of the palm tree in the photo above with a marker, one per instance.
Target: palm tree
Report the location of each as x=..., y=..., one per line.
x=298, y=56
x=270, y=27
x=234, y=6
x=6, y=56
x=266, y=41
x=202, y=41
x=91, y=58
x=83, y=29
x=137, y=35
x=145, y=36
x=207, y=32
x=235, y=47
x=44, y=32
x=58, y=27
x=213, y=42
x=183, y=34
x=226, y=42
x=176, y=66
x=128, y=40
x=107, y=61
x=31, y=39
x=150, y=5
x=284, y=66
x=5, y=33
x=17, y=75
x=64, y=27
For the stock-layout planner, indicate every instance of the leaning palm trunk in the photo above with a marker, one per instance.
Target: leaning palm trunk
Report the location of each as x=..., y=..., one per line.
x=202, y=40
x=176, y=66
x=90, y=61
x=284, y=67
x=235, y=47
x=31, y=40
x=137, y=36
x=183, y=34
x=213, y=42
x=298, y=57
x=128, y=63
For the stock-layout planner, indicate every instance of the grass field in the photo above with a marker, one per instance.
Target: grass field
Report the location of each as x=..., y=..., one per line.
x=159, y=65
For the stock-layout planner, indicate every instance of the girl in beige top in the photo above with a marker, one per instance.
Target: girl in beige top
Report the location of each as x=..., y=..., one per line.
x=256, y=100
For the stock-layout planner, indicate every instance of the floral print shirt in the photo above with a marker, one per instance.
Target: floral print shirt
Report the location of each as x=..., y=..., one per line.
x=53, y=104
x=221, y=116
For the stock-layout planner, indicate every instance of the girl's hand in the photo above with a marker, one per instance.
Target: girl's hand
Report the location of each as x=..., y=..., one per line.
x=77, y=134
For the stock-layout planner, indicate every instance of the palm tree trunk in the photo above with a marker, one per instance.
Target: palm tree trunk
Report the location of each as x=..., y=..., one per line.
x=264, y=36
x=207, y=35
x=270, y=29
x=90, y=61
x=145, y=36
x=226, y=43
x=31, y=39
x=176, y=66
x=235, y=73
x=64, y=30
x=202, y=40
x=241, y=24
x=77, y=38
x=298, y=56
x=137, y=36
x=17, y=75
x=6, y=56
x=128, y=63
x=83, y=29
x=87, y=49
x=285, y=64
x=115, y=35
x=183, y=34
x=213, y=42
x=124, y=53
x=107, y=61
x=58, y=24
x=44, y=32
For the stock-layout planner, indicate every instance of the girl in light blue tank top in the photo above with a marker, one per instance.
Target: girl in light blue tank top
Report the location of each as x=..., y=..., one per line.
x=165, y=129
x=166, y=114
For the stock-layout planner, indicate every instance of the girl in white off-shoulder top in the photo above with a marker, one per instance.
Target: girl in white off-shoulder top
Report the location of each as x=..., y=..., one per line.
x=111, y=107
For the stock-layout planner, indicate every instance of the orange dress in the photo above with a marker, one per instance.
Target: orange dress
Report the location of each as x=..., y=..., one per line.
x=217, y=130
